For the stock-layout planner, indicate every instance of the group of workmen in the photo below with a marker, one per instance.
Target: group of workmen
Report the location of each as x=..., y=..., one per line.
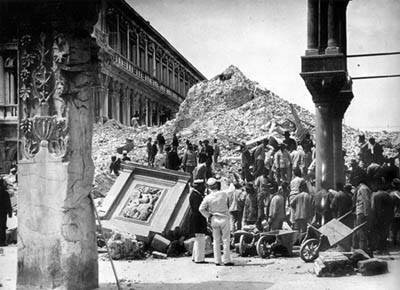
x=276, y=186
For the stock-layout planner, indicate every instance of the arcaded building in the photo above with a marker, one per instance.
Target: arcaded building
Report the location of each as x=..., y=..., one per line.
x=142, y=76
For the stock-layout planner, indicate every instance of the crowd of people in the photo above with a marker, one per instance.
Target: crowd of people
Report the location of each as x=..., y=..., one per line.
x=275, y=186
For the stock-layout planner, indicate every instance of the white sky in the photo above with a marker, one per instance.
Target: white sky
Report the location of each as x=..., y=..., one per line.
x=265, y=39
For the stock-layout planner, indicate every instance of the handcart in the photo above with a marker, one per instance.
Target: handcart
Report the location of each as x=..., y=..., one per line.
x=245, y=241
x=277, y=241
x=264, y=244
x=328, y=235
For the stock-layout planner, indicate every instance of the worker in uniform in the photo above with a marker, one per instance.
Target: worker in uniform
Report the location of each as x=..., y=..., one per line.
x=215, y=207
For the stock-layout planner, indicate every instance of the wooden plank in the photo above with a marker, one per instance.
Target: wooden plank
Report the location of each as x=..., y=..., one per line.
x=335, y=231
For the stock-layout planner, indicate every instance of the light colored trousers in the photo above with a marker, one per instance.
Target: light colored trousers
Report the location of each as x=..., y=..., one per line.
x=221, y=229
x=199, y=247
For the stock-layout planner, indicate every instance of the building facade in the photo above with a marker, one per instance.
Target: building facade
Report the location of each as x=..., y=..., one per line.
x=142, y=75
x=143, y=78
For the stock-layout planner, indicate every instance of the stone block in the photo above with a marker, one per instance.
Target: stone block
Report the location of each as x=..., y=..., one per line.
x=159, y=243
x=125, y=247
x=333, y=264
x=358, y=255
x=372, y=267
x=158, y=255
x=189, y=245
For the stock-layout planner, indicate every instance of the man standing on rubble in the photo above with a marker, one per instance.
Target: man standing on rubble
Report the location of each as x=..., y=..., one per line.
x=161, y=142
x=364, y=153
x=246, y=162
x=377, y=151
x=283, y=164
x=259, y=158
x=289, y=142
x=200, y=171
x=215, y=207
x=307, y=145
x=175, y=142
x=217, y=152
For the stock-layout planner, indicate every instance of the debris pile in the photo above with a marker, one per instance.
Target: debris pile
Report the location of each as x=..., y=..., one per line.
x=229, y=107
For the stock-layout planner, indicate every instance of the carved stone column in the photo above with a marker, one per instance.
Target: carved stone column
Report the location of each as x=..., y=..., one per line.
x=312, y=27
x=333, y=27
x=58, y=67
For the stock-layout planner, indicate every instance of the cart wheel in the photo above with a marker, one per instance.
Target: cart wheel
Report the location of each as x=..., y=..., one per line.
x=262, y=247
x=309, y=250
x=242, y=246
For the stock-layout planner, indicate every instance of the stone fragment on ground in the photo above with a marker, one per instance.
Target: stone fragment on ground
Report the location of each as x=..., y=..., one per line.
x=333, y=264
x=159, y=243
x=125, y=247
x=158, y=255
x=372, y=267
x=358, y=255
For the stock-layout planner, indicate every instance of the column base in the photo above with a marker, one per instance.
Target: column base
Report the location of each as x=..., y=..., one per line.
x=311, y=51
x=332, y=50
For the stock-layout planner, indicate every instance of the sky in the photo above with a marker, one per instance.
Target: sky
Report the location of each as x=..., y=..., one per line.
x=266, y=38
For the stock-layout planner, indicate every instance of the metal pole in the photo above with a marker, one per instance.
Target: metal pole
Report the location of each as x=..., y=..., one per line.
x=375, y=77
x=108, y=250
x=373, y=54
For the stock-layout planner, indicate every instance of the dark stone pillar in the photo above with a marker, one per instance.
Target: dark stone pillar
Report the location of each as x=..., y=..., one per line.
x=339, y=108
x=312, y=27
x=322, y=27
x=333, y=28
x=324, y=146
x=338, y=163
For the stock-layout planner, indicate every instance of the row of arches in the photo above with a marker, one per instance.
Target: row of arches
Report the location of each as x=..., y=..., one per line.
x=116, y=100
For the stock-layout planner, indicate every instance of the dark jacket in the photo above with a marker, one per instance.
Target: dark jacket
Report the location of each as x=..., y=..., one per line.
x=5, y=202
x=198, y=223
x=341, y=204
x=250, y=213
x=382, y=207
x=303, y=205
x=172, y=161
x=175, y=141
x=160, y=139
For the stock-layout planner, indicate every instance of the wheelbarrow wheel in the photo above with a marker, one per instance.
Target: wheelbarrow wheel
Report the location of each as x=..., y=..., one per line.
x=263, y=248
x=309, y=250
x=242, y=246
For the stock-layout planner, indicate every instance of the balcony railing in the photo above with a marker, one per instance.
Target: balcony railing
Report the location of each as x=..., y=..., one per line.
x=130, y=67
x=9, y=112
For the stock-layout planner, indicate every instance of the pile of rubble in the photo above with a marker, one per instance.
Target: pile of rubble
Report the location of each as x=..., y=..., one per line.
x=229, y=107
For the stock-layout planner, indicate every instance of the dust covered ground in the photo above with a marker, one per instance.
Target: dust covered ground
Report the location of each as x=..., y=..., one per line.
x=248, y=273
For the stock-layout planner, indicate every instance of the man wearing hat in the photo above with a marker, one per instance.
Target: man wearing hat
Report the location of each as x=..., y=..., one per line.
x=198, y=224
x=215, y=207
x=289, y=142
x=125, y=157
